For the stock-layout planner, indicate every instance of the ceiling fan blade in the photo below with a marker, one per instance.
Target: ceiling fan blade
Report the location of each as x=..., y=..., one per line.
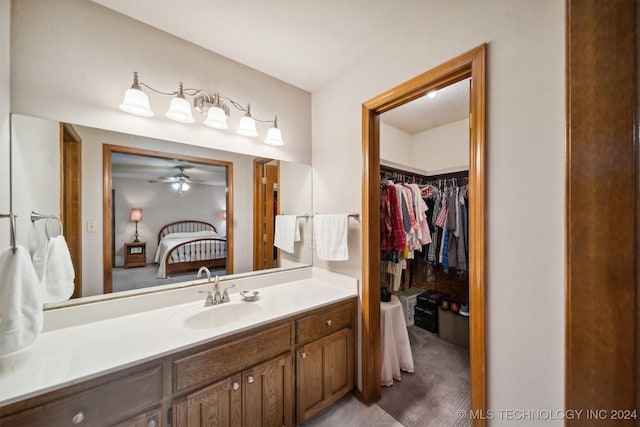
x=163, y=180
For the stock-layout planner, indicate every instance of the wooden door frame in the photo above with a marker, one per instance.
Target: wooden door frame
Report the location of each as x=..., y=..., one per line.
x=258, y=215
x=71, y=198
x=602, y=345
x=107, y=236
x=470, y=64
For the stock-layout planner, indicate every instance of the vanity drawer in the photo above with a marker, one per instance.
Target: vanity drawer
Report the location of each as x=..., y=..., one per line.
x=221, y=361
x=96, y=406
x=318, y=325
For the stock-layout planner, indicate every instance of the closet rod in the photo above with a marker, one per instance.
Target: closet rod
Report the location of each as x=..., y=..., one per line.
x=460, y=174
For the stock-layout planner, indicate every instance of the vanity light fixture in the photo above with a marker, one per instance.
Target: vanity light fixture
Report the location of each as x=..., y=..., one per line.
x=432, y=93
x=216, y=108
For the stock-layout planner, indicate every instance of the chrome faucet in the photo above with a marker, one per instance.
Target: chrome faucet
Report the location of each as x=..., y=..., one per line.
x=214, y=297
x=206, y=270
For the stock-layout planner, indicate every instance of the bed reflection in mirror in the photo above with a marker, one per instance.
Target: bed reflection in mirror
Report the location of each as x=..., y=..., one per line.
x=123, y=197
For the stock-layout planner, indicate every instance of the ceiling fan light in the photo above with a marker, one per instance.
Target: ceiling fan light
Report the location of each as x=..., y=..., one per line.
x=274, y=137
x=180, y=110
x=216, y=118
x=136, y=102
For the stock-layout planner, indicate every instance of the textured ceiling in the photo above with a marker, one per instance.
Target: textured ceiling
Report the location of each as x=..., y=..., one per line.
x=450, y=104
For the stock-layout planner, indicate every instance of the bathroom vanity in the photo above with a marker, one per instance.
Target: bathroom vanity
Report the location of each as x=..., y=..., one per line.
x=274, y=361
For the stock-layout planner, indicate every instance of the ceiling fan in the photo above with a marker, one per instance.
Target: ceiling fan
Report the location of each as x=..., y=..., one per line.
x=180, y=181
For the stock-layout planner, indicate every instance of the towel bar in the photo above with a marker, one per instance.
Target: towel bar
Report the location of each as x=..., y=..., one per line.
x=36, y=216
x=12, y=221
x=307, y=216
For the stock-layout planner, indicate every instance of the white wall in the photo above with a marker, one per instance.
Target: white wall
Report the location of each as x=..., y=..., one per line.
x=5, y=91
x=35, y=160
x=437, y=150
x=395, y=145
x=73, y=59
x=293, y=177
x=442, y=149
x=525, y=160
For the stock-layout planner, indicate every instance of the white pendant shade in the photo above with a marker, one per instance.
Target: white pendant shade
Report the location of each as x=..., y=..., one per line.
x=274, y=137
x=180, y=110
x=136, y=102
x=247, y=126
x=216, y=118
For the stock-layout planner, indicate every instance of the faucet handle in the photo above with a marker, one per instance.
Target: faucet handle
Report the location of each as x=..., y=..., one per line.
x=209, y=301
x=225, y=294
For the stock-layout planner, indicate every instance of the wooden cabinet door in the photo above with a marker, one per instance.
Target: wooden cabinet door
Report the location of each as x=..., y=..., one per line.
x=268, y=393
x=324, y=372
x=219, y=404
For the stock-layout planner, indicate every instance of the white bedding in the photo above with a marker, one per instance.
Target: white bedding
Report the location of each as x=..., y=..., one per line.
x=170, y=241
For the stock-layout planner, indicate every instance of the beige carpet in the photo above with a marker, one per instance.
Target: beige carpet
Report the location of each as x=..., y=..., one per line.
x=438, y=389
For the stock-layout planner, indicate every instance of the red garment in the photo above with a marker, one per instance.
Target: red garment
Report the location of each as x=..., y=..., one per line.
x=391, y=228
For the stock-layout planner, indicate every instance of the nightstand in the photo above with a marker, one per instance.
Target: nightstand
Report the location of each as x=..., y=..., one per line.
x=135, y=254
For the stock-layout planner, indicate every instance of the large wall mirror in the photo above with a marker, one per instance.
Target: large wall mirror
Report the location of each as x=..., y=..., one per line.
x=141, y=214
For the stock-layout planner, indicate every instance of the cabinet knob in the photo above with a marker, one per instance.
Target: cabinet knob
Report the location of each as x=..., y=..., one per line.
x=235, y=386
x=152, y=423
x=329, y=322
x=250, y=379
x=78, y=417
x=303, y=354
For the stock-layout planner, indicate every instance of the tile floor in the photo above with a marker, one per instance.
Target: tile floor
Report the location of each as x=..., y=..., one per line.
x=349, y=411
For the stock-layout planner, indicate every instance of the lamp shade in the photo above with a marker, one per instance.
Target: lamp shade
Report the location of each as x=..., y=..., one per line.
x=216, y=118
x=180, y=110
x=247, y=126
x=136, y=102
x=136, y=215
x=274, y=137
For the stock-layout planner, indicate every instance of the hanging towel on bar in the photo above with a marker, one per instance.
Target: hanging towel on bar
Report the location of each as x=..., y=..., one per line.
x=330, y=232
x=20, y=303
x=286, y=233
x=57, y=278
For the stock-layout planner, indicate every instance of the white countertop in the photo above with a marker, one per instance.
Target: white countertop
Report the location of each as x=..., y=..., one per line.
x=62, y=356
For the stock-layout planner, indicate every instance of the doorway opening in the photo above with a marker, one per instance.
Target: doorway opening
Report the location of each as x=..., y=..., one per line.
x=470, y=65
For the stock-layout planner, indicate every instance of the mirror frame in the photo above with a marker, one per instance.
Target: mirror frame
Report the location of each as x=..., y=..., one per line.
x=107, y=150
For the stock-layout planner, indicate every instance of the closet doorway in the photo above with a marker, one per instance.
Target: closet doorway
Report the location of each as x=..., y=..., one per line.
x=470, y=65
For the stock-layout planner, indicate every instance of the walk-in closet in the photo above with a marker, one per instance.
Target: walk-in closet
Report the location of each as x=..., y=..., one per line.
x=424, y=258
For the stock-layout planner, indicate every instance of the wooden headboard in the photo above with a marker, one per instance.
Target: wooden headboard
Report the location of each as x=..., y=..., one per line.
x=186, y=226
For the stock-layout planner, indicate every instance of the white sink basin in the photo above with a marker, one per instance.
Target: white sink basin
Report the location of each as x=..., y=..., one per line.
x=216, y=316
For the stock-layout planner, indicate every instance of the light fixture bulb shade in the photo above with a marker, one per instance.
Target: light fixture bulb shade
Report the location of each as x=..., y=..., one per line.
x=180, y=186
x=274, y=137
x=180, y=110
x=136, y=102
x=216, y=118
x=247, y=126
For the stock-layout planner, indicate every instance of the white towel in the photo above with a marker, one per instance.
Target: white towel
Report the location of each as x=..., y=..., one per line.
x=20, y=303
x=286, y=233
x=330, y=232
x=57, y=279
